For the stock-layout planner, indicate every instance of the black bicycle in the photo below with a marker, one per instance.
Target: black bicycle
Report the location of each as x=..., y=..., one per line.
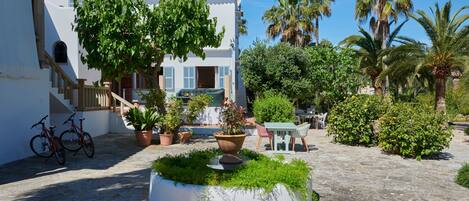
x=46, y=144
x=75, y=139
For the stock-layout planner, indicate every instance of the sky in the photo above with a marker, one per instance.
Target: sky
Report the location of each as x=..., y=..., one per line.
x=341, y=24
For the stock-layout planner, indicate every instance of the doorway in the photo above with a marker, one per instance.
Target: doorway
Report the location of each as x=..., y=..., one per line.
x=205, y=77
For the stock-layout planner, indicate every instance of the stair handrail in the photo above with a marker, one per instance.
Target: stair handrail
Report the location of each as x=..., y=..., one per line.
x=58, y=69
x=122, y=102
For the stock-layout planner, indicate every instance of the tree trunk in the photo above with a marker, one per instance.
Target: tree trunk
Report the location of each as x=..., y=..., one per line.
x=378, y=89
x=316, y=32
x=440, y=92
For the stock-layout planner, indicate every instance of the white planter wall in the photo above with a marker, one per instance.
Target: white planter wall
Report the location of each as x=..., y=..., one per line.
x=167, y=190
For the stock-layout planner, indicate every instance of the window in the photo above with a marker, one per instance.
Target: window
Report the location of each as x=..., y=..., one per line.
x=189, y=77
x=222, y=71
x=168, y=73
x=60, y=52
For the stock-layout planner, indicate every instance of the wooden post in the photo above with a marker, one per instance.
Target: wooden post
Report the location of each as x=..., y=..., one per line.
x=107, y=85
x=161, y=82
x=227, y=86
x=81, y=94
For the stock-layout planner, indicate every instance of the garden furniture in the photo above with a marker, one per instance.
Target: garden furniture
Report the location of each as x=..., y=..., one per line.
x=262, y=133
x=321, y=120
x=301, y=132
x=282, y=134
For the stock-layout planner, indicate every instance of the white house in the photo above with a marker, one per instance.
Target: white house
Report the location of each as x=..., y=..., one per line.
x=41, y=72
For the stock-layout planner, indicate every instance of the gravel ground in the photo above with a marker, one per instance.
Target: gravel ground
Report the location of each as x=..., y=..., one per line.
x=120, y=171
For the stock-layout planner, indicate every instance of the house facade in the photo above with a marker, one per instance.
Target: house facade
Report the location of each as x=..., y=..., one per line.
x=41, y=73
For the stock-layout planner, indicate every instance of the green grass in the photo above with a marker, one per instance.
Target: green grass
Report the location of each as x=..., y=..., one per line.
x=463, y=176
x=260, y=172
x=466, y=130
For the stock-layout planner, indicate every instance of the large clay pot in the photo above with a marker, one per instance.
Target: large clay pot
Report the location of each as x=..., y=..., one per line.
x=144, y=137
x=230, y=144
x=166, y=139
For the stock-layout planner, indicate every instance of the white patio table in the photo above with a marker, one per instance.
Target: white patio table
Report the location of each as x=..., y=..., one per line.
x=282, y=134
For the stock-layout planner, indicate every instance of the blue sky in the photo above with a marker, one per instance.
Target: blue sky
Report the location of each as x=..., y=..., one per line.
x=340, y=25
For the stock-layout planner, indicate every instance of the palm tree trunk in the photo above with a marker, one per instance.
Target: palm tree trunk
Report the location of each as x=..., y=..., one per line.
x=378, y=89
x=316, y=32
x=440, y=92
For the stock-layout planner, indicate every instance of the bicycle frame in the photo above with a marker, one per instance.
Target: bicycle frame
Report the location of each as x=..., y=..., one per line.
x=77, y=129
x=49, y=135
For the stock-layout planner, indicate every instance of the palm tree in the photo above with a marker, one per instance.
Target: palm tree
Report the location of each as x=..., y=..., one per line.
x=382, y=13
x=289, y=21
x=449, y=39
x=318, y=9
x=371, y=54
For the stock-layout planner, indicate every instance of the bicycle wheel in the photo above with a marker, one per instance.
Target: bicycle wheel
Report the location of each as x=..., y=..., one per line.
x=88, y=145
x=59, y=152
x=70, y=140
x=41, y=146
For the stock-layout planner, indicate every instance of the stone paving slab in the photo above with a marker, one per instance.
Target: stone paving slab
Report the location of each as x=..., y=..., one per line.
x=120, y=171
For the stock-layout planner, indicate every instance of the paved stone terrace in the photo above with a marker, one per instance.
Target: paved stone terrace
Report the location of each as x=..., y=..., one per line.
x=120, y=171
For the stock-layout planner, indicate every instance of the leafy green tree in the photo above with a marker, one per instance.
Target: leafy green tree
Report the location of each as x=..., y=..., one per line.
x=371, y=54
x=318, y=9
x=335, y=73
x=448, y=48
x=124, y=36
x=290, y=22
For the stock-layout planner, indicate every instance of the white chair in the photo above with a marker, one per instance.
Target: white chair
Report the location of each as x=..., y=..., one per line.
x=322, y=120
x=301, y=132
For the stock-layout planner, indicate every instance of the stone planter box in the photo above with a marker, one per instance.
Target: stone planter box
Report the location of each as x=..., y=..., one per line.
x=167, y=190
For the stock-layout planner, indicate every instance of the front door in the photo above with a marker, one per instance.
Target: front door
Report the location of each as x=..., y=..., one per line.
x=205, y=77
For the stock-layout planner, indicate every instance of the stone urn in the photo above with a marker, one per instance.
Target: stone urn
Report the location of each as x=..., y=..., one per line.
x=144, y=137
x=230, y=145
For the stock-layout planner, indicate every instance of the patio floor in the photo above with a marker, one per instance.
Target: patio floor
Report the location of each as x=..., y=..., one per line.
x=120, y=171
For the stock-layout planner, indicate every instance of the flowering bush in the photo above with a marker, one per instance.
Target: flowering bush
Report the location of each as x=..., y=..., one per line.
x=232, y=118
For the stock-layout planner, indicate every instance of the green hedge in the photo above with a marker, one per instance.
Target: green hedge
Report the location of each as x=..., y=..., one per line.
x=463, y=176
x=273, y=108
x=351, y=121
x=413, y=130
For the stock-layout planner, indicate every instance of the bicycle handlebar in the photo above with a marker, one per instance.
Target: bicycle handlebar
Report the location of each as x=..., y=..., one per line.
x=40, y=122
x=70, y=118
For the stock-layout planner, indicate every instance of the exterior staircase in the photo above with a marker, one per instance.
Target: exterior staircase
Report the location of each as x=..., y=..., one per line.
x=62, y=90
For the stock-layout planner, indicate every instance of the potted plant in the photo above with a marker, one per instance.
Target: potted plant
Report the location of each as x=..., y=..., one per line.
x=143, y=123
x=185, y=135
x=171, y=121
x=231, y=138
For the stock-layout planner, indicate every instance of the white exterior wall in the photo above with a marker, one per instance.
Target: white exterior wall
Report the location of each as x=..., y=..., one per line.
x=58, y=19
x=24, y=87
x=96, y=122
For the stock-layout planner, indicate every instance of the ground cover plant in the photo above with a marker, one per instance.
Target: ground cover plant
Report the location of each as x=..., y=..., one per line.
x=463, y=176
x=351, y=121
x=260, y=172
x=412, y=130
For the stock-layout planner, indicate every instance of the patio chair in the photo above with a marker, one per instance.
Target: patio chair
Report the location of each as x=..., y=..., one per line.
x=262, y=133
x=301, y=132
x=322, y=120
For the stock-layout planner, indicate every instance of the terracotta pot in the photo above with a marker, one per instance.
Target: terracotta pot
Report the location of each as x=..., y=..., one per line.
x=229, y=144
x=184, y=137
x=144, y=137
x=166, y=139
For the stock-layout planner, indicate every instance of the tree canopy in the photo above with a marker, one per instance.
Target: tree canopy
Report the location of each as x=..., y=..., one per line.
x=124, y=36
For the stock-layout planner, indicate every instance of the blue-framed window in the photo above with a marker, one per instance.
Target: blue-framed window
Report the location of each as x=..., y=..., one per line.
x=189, y=77
x=168, y=73
x=222, y=71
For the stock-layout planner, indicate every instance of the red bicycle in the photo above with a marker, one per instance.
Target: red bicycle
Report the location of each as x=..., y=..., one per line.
x=46, y=144
x=75, y=139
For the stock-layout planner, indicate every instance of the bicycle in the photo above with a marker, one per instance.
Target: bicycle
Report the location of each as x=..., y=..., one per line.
x=46, y=144
x=75, y=139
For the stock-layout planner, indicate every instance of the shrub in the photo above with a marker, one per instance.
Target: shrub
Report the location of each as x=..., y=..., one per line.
x=351, y=121
x=463, y=176
x=259, y=172
x=466, y=130
x=412, y=130
x=196, y=105
x=155, y=99
x=142, y=120
x=273, y=108
x=172, y=119
x=232, y=118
